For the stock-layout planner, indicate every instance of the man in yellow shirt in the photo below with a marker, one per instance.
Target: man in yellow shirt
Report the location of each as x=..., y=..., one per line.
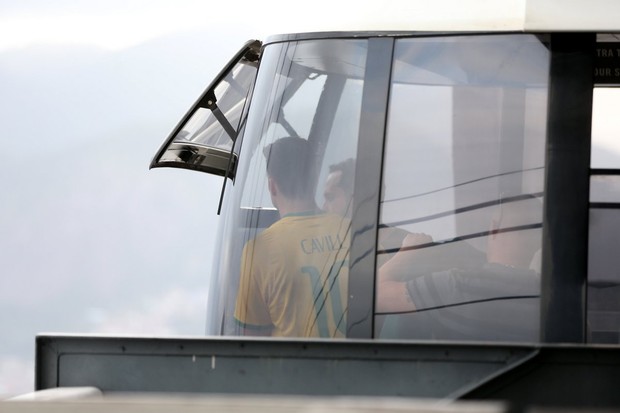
x=294, y=274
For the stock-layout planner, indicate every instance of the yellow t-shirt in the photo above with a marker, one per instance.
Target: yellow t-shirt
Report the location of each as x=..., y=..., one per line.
x=294, y=278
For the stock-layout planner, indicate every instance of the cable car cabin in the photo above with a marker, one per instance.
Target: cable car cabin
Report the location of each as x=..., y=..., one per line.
x=433, y=183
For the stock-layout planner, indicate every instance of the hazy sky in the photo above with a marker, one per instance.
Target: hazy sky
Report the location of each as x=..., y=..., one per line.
x=90, y=239
x=111, y=25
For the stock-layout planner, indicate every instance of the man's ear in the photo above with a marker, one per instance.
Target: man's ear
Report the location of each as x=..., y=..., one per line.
x=273, y=187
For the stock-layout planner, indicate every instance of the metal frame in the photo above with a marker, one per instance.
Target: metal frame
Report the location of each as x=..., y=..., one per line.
x=522, y=376
x=363, y=251
x=221, y=365
x=567, y=185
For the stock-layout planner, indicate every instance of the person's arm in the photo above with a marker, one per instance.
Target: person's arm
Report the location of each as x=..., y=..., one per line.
x=392, y=294
x=393, y=297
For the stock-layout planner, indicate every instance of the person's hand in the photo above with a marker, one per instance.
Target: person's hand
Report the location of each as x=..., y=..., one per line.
x=414, y=239
x=404, y=258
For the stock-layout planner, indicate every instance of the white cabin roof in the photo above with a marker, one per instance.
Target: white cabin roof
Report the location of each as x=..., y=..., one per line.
x=447, y=16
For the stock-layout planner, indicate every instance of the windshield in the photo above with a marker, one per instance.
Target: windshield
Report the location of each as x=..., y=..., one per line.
x=292, y=196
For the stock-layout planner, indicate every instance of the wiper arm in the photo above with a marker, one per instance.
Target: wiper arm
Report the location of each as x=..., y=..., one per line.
x=231, y=163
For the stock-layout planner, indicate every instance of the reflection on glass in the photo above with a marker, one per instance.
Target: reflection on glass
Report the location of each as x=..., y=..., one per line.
x=603, y=276
x=603, y=311
x=294, y=274
x=230, y=95
x=288, y=226
x=605, y=188
x=461, y=210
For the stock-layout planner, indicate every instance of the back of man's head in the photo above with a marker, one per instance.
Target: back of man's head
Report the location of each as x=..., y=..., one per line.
x=347, y=174
x=288, y=164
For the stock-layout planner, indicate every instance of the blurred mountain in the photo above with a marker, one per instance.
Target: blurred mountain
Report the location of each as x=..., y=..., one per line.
x=87, y=232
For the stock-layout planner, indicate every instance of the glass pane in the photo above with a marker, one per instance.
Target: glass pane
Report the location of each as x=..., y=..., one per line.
x=288, y=223
x=605, y=188
x=604, y=276
x=203, y=127
x=603, y=313
x=461, y=211
x=606, y=128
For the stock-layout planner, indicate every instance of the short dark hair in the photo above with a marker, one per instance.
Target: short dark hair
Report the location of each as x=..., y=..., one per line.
x=347, y=177
x=288, y=163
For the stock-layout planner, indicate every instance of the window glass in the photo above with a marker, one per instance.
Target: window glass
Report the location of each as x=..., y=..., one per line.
x=603, y=303
x=605, y=189
x=288, y=222
x=230, y=95
x=605, y=128
x=461, y=210
x=603, y=324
